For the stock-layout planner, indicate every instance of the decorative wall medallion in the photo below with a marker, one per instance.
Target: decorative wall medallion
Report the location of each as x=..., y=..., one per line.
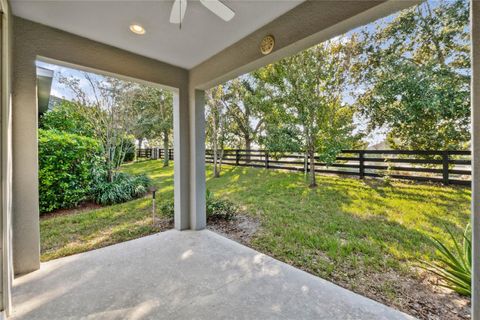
x=267, y=44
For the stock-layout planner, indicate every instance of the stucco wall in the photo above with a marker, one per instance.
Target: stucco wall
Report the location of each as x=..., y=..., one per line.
x=32, y=40
x=6, y=275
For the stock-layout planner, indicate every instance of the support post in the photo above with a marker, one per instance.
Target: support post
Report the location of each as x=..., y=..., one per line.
x=181, y=155
x=189, y=159
x=266, y=160
x=475, y=109
x=198, y=215
x=237, y=157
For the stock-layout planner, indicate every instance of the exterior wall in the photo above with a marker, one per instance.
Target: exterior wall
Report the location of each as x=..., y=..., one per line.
x=32, y=41
x=6, y=274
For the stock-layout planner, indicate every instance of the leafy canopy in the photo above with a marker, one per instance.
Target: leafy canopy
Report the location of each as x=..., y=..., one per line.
x=413, y=77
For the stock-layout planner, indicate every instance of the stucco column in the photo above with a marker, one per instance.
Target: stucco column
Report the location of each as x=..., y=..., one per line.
x=181, y=158
x=25, y=217
x=189, y=160
x=475, y=108
x=197, y=154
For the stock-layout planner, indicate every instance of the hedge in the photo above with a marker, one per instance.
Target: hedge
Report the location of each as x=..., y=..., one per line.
x=66, y=165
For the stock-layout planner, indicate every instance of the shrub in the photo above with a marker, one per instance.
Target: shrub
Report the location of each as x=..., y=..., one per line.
x=124, y=187
x=216, y=208
x=66, y=163
x=167, y=208
x=220, y=208
x=454, y=267
x=69, y=117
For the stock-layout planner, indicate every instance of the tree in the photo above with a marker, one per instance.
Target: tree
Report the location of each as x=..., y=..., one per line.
x=310, y=88
x=414, y=75
x=154, y=116
x=247, y=105
x=109, y=103
x=216, y=125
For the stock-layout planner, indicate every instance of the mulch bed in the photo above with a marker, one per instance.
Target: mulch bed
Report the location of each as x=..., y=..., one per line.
x=82, y=207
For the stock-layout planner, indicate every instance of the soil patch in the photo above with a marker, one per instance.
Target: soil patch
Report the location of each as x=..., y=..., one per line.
x=419, y=297
x=240, y=229
x=82, y=207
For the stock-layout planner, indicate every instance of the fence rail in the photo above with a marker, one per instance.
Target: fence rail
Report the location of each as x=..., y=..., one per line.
x=447, y=167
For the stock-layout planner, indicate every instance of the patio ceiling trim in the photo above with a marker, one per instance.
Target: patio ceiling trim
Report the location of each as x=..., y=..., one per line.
x=306, y=25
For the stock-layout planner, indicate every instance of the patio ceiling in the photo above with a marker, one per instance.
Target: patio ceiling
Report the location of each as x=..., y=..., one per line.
x=202, y=32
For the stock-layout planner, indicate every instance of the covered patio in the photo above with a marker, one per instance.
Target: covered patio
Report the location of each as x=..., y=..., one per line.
x=176, y=274
x=184, y=275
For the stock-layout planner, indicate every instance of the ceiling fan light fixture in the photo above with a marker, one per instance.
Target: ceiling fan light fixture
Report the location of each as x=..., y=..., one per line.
x=178, y=11
x=137, y=29
x=216, y=6
x=220, y=9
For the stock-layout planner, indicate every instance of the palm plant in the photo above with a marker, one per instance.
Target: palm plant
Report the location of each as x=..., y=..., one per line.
x=454, y=267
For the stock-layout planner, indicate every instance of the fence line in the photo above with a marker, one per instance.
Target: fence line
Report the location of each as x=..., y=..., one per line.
x=445, y=166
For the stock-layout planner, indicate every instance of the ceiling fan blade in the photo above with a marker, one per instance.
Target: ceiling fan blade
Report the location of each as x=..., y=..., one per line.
x=219, y=9
x=178, y=11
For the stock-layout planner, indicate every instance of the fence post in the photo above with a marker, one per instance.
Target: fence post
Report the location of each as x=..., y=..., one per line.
x=361, y=157
x=445, y=167
x=266, y=160
x=237, y=157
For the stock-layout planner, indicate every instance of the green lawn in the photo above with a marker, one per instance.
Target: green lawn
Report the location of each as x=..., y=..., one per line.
x=345, y=230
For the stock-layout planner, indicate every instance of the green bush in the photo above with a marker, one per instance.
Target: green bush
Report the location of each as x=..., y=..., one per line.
x=216, y=208
x=69, y=117
x=454, y=267
x=124, y=187
x=66, y=163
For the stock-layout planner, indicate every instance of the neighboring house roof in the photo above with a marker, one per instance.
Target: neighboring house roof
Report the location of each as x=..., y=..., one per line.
x=53, y=101
x=383, y=145
x=44, y=85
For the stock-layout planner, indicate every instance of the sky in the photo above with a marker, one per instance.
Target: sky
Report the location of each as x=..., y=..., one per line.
x=61, y=91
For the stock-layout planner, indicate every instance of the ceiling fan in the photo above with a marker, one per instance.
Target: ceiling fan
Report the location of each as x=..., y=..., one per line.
x=180, y=6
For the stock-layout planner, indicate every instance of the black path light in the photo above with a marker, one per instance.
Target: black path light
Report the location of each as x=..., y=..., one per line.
x=153, y=190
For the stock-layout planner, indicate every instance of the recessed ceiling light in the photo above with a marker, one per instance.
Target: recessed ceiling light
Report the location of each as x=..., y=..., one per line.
x=137, y=29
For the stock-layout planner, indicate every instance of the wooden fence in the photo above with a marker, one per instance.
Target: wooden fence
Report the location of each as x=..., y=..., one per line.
x=154, y=153
x=447, y=167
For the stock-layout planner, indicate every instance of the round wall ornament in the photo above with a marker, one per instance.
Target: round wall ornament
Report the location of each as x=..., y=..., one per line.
x=267, y=44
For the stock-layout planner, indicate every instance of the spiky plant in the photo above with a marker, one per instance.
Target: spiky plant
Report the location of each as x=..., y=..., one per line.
x=454, y=267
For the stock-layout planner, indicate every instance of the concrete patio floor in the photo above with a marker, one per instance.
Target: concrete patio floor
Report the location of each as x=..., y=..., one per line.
x=183, y=275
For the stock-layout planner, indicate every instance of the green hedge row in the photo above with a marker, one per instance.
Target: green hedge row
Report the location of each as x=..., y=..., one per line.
x=66, y=168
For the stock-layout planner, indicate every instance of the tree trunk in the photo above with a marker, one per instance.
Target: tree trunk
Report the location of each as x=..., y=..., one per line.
x=165, y=149
x=216, y=171
x=138, y=148
x=313, y=181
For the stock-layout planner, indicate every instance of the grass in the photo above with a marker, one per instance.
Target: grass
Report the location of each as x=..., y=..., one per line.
x=65, y=235
x=343, y=230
